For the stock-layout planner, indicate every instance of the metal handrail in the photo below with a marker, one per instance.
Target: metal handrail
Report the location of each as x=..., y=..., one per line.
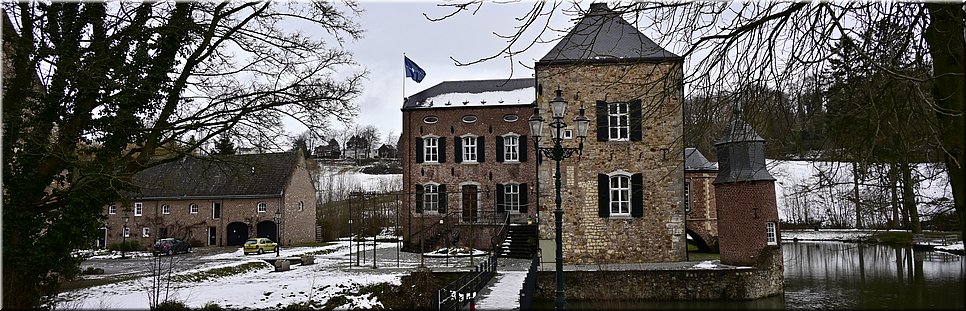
x=457, y=293
x=529, y=283
x=500, y=236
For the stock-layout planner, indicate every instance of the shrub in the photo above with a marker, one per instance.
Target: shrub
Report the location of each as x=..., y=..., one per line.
x=211, y=306
x=128, y=246
x=172, y=305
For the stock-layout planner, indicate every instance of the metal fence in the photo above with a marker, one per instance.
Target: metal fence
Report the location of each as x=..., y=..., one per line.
x=456, y=294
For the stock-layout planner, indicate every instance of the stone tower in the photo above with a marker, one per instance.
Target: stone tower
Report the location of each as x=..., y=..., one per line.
x=623, y=195
x=748, y=224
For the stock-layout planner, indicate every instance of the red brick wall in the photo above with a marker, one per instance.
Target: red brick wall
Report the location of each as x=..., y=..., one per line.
x=486, y=174
x=742, y=236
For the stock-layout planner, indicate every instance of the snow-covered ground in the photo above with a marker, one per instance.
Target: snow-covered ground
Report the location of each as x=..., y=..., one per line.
x=259, y=288
x=337, y=181
x=819, y=190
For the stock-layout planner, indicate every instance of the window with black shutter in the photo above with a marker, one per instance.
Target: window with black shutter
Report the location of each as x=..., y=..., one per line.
x=522, y=141
x=499, y=149
x=635, y=119
x=419, y=150
x=500, y=200
x=603, y=195
x=524, y=193
x=419, y=199
x=637, y=195
x=442, y=198
x=442, y=150
x=601, y=114
x=480, y=149
x=457, y=150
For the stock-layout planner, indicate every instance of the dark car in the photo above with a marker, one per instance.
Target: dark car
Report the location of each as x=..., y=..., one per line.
x=171, y=246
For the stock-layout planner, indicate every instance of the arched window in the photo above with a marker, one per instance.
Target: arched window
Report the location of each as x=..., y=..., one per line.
x=262, y=207
x=193, y=208
x=301, y=206
x=620, y=195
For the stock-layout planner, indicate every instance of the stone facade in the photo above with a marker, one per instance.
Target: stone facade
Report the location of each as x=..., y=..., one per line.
x=485, y=173
x=659, y=234
x=239, y=219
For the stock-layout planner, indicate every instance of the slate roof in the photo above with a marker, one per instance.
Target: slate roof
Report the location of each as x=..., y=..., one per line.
x=602, y=35
x=418, y=100
x=695, y=161
x=246, y=175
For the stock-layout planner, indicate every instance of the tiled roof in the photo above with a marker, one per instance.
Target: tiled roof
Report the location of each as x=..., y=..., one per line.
x=498, y=89
x=247, y=175
x=695, y=161
x=603, y=35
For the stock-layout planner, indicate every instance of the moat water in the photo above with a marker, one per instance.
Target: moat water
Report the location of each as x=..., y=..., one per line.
x=835, y=275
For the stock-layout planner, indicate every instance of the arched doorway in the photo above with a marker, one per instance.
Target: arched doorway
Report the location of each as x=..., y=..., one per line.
x=237, y=233
x=699, y=241
x=268, y=229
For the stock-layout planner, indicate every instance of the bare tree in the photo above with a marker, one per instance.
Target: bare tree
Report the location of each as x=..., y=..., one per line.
x=780, y=44
x=94, y=92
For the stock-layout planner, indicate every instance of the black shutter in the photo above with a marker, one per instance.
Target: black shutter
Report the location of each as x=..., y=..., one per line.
x=524, y=194
x=637, y=195
x=419, y=198
x=457, y=150
x=419, y=150
x=499, y=149
x=522, y=148
x=602, y=121
x=500, y=201
x=635, y=120
x=442, y=150
x=480, y=149
x=603, y=195
x=442, y=199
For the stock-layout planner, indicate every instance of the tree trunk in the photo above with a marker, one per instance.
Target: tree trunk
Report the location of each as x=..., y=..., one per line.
x=947, y=46
x=896, y=221
x=855, y=195
x=909, y=198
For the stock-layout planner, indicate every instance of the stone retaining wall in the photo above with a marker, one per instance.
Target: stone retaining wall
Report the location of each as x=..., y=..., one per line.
x=734, y=284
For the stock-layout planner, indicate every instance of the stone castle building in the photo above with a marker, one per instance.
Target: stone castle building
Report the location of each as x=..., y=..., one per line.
x=623, y=197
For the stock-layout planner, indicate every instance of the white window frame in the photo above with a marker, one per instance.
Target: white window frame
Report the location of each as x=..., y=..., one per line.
x=511, y=197
x=431, y=150
x=620, y=194
x=165, y=209
x=301, y=206
x=511, y=152
x=431, y=198
x=568, y=133
x=145, y=232
x=261, y=207
x=138, y=209
x=219, y=209
x=112, y=209
x=618, y=113
x=126, y=232
x=469, y=148
x=771, y=234
x=193, y=208
x=687, y=195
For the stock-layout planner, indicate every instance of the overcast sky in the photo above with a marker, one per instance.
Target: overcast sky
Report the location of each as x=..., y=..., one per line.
x=394, y=28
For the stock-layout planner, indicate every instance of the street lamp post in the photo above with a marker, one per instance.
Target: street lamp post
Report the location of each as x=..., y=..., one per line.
x=278, y=230
x=124, y=235
x=558, y=153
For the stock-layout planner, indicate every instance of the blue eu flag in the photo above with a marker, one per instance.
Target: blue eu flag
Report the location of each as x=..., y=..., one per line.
x=413, y=70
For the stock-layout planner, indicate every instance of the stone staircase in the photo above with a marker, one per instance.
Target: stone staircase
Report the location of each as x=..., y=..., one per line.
x=521, y=241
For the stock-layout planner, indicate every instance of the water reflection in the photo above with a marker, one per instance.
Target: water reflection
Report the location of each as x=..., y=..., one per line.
x=834, y=275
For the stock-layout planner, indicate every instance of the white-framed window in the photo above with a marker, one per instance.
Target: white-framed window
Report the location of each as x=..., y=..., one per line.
x=568, y=134
x=620, y=195
x=193, y=208
x=301, y=206
x=262, y=207
x=165, y=209
x=112, y=209
x=215, y=210
x=770, y=233
x=146, y=232
x=687, y=195
x=511, y=197
x=431, y=198
x=618, y=121
x=127, y=232
x=431, y=149
x=511, y=148
x=138, y=209
x=469, y=149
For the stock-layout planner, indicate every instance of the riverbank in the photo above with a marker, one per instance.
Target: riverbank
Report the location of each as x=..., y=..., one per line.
x=929, y=240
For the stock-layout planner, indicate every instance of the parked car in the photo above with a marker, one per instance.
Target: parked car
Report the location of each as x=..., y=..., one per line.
x=171, y=246
x=259, y=246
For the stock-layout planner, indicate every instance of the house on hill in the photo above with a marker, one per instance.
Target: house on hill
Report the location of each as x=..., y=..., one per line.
x=469, y=164
x=219, y=200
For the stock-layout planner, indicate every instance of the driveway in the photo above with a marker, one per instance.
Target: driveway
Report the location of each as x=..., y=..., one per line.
x=140, y=263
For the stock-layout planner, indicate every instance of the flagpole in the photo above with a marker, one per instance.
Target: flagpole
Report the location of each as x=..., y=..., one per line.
x=404, y=81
